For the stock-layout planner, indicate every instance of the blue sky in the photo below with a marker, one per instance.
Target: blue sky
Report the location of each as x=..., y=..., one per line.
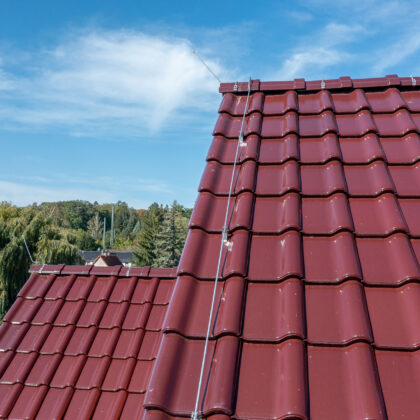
x=104, y=100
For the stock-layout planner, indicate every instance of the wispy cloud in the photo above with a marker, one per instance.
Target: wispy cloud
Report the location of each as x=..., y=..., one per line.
x=326, y=50
x=102, y=80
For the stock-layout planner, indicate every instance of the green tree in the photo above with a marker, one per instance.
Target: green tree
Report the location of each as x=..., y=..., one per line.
x=145, y=242
x=171, y=237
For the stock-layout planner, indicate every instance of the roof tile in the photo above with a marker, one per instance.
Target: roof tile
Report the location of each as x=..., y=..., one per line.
x=355, y=125
x=349, y=103
x=55, y=403
x=119, y=374
x=272, y=381
x=368, y=180
x=402, y=150
x=28, y=403
x=396, y=124
x=93, y=372
x=110, y=405
x=343, y=383
x=280, y=126
x=141, y=375
x=36, y=286
x=412, y=99
x=406, y=179
x=11, y=335
x=34, y=338
x=327, y=215
x=315, y=103
x=387, y=101
x=279, y=150
x=280, y=104
x=378, y=216
x=319, y=149
x=280, y=317
x=411, y=209
x=190, y=306
x=340, y=252
x=277, y=180
x=317, y=125
x=284, y=259
x=323, y=179
x=387, y=261
x=207, y=246
x=81, y=288
x=43, y=369
x=179, y=366
x=104, y=342
x=275, y=215
x=393, y=328
x=223, y=150
x=399, y=380
x=128, y=344
x=82, y=404
x=68, y=371
x=8, y=396
x=216, y=178
x=337, y=314
x=209, y=212
x=361, y=150
x=235, y=105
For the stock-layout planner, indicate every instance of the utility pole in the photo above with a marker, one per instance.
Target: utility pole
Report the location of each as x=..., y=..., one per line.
x=103, y=239
x=112, y=227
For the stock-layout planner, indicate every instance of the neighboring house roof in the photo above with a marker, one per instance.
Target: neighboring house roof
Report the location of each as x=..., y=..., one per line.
x=81, y=341
x=106, y=260
x=124, y=256
x=318, y=309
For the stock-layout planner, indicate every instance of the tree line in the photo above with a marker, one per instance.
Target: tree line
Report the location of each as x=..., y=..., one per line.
x=55, y=232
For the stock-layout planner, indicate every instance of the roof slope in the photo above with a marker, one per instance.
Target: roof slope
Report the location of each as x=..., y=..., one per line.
x=81, y=341
x=318, y=308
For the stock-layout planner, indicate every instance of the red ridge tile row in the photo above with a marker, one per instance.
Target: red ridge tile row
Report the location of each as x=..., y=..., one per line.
x=344, y=82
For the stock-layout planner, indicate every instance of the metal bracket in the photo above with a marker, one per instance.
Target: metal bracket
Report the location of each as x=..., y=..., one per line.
x=195, y=416
x=241, y=141
x=235, y=87
x=322, y=84
x=413, y=81
x=40, y=270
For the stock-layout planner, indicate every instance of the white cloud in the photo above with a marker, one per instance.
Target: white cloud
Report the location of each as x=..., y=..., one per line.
x=397, y=52
x=303, y=64
x=108, y=80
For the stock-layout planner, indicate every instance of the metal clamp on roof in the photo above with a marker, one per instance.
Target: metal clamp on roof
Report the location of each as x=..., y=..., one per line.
x=235, y=87
x=413, y=81
x=322, y=84
x=241, y=141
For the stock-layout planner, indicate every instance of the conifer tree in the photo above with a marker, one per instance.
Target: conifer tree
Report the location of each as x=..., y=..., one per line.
x=145, y=243
x=171, y=237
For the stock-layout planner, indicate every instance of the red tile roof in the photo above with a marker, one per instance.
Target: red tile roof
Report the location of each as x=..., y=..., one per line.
x=81, y=341
x=317, y=311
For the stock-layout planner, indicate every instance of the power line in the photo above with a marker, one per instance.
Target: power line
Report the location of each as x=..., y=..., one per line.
x=206, y=66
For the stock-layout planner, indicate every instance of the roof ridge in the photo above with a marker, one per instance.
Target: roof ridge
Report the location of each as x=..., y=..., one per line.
x=344, y=82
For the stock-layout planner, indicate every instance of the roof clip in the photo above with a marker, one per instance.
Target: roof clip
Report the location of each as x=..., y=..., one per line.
x=322, y=84
x=413, y=81
x=195, y=416
x=128, y=271
x=225, y=240
x=235, y=87
x=40, y=270
x=241, y=141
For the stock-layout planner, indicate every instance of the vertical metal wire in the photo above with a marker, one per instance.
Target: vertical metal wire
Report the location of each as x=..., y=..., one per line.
x=195, y=413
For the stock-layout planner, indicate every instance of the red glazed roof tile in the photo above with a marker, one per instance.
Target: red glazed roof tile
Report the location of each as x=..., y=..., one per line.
x=361, y=150
x=317, y=306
